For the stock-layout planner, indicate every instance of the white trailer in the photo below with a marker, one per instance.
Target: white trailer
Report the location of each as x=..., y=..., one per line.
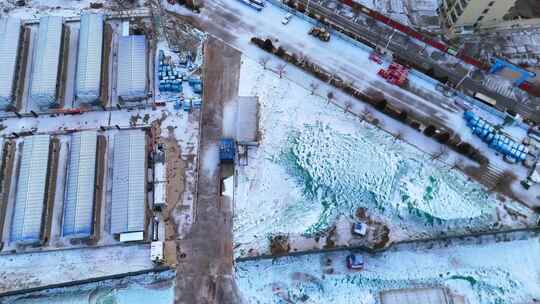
x=156, y=252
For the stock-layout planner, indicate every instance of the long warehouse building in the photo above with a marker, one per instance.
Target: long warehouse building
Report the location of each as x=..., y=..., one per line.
x=88, y=81
x=132, y=71
x=26, y=225
x=80, y=187
x=46, y=62
x=129, y=182
x=10, y=33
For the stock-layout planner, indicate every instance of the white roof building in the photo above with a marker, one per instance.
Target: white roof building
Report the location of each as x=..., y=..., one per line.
x=80, y=186
x=129, y=182
x=30, y=191
x=10, y=31
x=87, y=84
x=132, y=64
x=45, y=65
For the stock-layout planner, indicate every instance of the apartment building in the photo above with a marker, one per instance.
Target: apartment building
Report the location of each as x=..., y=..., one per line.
x=459, y=15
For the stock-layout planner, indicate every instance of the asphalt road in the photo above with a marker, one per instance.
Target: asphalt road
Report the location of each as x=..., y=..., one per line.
x=400, y=44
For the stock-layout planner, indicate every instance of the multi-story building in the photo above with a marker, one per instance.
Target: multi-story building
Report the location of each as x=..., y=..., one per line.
x=459, y=15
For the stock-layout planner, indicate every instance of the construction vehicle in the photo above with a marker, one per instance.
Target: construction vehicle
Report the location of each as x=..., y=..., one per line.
x=320, y=32
x=396, y=74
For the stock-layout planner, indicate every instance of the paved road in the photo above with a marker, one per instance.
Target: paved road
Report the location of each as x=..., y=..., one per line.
x=205, y=255
x=379, y=34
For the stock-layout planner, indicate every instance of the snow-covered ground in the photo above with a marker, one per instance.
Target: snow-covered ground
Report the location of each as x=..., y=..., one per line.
x=37, y=269
x=503, y=273
x=315, y=163
x=130, y=290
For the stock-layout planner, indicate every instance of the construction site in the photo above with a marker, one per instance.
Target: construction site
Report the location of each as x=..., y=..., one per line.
x=265, y=151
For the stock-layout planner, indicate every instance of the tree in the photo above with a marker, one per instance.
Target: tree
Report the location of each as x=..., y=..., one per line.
x=398, y=136
x=281, y=69
x=268, y=45
x=348, y=105
x=330, y=95
x=430, y=130
x=313, y=87
x=442, y=151
x=264, y=61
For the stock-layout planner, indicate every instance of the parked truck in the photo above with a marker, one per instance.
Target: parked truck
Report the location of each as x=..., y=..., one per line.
x=320, y=32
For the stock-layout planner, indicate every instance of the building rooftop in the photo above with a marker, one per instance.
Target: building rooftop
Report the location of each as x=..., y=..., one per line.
x=80, y=186
x=88, y=81
x=46, y=62
x=129, y=182
x=10, y=30
x=30, y=193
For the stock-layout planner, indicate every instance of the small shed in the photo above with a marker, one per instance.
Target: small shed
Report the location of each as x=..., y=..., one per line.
x=247, y=120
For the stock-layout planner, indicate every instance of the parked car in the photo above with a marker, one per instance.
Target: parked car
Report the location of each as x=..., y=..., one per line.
x=286, y=19
x=355, y=261
x=359, y=228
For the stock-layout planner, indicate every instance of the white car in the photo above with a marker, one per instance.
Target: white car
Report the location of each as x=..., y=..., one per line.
x=286, y=19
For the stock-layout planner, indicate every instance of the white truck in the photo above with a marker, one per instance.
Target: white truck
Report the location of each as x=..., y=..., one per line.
x=156, y=252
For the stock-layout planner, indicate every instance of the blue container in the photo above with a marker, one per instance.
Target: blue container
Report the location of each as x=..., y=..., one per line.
x=226, y=150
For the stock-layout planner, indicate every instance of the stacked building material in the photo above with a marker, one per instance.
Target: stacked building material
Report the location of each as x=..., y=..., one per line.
x=170, y=80
x=494, y=138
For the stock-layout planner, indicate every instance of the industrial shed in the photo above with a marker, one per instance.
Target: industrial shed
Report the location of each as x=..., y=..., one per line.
x=132, y=62
x=30, y=192
x=79, y=196
x=45, y=66
x=129, y=182
x=10, y=31
x=87, y=84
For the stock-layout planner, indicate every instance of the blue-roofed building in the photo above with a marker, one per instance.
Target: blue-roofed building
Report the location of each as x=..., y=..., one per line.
x=27, y=221
x=80, y=185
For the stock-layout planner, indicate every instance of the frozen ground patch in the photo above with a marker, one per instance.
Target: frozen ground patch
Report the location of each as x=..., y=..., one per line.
x=500, y=273
x=315, y=163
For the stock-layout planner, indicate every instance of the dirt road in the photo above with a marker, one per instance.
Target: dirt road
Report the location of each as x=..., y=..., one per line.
x=205, y=256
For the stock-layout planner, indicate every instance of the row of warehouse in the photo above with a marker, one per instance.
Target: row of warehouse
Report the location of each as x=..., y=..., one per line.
x=46, y=60
x=34, y=175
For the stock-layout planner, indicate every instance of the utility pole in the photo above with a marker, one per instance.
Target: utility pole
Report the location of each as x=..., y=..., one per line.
x=463, y=79
x=390, y=39
x=307, y=7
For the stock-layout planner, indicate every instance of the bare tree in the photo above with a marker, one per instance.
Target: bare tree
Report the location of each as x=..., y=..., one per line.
x=313, y=86
x=348, y=105
x=330, y=95
x=398, y=136
x=281, y=69
x=264, y=61
x=443, y=150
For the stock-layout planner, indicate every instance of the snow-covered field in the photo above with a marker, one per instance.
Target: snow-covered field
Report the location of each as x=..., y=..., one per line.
x=316, y=163
x=496, y=273
x=131, y=290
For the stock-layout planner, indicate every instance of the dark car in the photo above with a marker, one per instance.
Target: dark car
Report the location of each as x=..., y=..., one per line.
x=355, y=261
